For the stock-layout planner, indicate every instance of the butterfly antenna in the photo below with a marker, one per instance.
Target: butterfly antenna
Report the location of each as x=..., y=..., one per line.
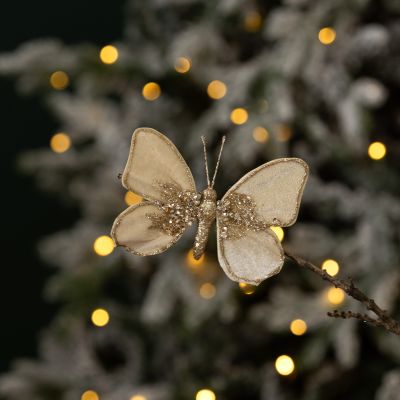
x=203, y=139
x=218, y=160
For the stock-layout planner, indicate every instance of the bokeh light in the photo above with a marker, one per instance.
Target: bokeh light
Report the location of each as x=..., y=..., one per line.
x=182, y=65
x=100, y=317
x=59, y=80
x=151, y=91
x=377, y=150
x=192, y=262
x=109, y=54
x=90, y=395
x=207, y=291
x=260, y=134
x=60, y=142
x=132, y=198
x=330, y=266
x=279, y=232
x=103, y=245
x=138, y=397
x=283, y=133
x=205, y=394
x=239, y=116
x=216, y=90
x=335, y=296
x=284, y=365
x=252, y=21
x=246, y=288
x=298, y=327
x=327, y=35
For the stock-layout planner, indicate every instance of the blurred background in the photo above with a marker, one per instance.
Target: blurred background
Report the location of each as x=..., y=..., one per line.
x=313, y=79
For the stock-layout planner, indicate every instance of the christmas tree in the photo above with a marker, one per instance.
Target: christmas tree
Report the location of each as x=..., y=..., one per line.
x=303, y=78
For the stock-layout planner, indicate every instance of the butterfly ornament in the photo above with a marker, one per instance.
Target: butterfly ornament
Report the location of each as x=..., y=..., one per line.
x=248, y=250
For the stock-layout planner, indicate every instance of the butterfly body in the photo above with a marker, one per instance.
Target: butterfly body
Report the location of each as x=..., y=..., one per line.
x=206, y=216
x=248, y=250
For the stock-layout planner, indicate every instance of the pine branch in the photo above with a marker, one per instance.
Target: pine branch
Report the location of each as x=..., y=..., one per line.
x=383, y=319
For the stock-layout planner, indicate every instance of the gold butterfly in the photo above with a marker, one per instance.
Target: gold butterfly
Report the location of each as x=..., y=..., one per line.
x=248, y=250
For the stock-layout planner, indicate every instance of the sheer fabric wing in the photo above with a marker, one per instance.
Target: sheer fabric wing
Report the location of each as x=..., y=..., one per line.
x=131, y=230
x=154, y=158
x=252, y=258
x=276, y=187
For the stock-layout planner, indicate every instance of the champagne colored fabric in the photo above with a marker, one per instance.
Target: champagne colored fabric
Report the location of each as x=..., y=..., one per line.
x=153, y=158
x=131, y=230
x=276, y=187
x=252, y=258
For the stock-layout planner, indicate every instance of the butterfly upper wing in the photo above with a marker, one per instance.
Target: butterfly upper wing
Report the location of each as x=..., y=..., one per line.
x=248, y=250
x=156, y=170
x=154, y=158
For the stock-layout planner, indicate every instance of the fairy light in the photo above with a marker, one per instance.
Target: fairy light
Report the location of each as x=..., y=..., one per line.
x=59, y=80
x=279, y=232
x=239, y=116
x=298, y=327
x=335, y=296
x=247, y=288
x=283, y=133
x=132, y=198
x=216, y=89
x=205, y=394
x=100, y=317
x=330, y=266
x=60, y=142
x=90, y=395
x=260, y=134
x=192, y=262
x=252, y=21
x=207, y=291
x=284, y=365
x=138, y=397
x=103, y=245
x=108, y=54
x=182, y=65
x=151, y=91
x=327, y=35
x=377, y=150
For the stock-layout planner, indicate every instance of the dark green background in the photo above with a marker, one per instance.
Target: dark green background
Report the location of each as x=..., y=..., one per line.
x=25, y=124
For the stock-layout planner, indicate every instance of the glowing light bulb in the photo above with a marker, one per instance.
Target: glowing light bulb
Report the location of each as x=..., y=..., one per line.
x=108, y=54
x=60, y=142
x=216, y=89
x=331, y=267
x=335, y=296
x=239, y=116
x=182, y=65
x=59, y=80
x=103, y=245
x=90, y=395
x=279, y=232
x=151, y=91
x=298, y=327
x=284, y=365
x=247, y=288
x=100, y=317
x=327, y=35
x=192, y=262
x=205, y=394
x=252, y=21
x=207, y=291
x=377, y=150
x=260, y=134
x=132, y=198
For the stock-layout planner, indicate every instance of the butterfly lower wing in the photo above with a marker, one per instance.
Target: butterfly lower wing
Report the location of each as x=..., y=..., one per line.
x=134, y=229
x=276, y=188
x=153, y=158
x=250, y=256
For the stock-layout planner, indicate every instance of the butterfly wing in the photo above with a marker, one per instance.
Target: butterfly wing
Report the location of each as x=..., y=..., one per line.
x=156, y=170
x=270, y=195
